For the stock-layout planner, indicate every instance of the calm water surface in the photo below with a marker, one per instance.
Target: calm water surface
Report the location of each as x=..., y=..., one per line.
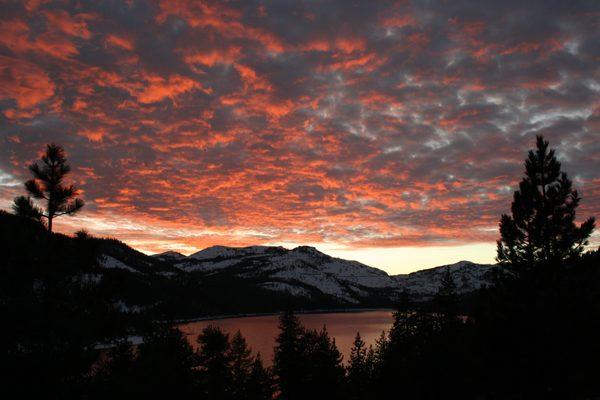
x=260, y=332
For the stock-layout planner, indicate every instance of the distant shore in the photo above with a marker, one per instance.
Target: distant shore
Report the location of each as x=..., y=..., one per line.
x=138, y=339
x=266, y=314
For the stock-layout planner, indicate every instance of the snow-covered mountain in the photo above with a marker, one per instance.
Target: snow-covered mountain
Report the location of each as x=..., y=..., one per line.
x=170, y=256
x=306, y=272
x=303, y=271
x=214, y=252
x=225, y=280
x=467, y=276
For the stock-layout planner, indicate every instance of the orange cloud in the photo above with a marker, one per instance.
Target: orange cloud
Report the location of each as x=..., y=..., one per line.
x=92, y=135
x=158, y=88
x=119, y=41
x=214, y=56
x=24, y=82
x=70, y=25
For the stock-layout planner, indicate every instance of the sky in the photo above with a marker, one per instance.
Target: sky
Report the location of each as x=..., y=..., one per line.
x=392, y=133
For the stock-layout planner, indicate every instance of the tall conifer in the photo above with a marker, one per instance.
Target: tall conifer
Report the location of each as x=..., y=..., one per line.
x=48, y=185
x=542, y=226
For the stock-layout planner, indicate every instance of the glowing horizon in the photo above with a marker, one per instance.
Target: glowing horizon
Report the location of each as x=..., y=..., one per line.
x=393, y=134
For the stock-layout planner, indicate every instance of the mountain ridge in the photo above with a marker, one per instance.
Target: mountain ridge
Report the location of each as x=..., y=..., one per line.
x=299, y=270
x=224, y=280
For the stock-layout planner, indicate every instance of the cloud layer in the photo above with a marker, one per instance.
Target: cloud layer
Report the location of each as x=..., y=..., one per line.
x=360, y=124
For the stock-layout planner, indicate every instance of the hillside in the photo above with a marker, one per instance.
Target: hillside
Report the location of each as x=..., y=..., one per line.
x=468, y=277
x=229, y=280
x=300, y=272
x=304, y=272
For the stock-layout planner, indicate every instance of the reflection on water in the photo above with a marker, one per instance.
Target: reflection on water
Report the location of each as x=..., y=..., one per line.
x=260, y=332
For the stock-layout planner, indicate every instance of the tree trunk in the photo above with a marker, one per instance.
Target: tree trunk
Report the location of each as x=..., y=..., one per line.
x=49, y=223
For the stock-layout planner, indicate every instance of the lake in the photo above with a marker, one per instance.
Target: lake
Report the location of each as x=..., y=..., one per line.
x=260, y=331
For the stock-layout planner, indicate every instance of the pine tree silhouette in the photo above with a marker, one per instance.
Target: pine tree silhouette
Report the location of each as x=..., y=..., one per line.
x=358, y=369
x=165, y=365
x=23, y=207
x=446, y=297
x=287, y=361
x=325, y=375
x=113, y=376
x=214, y=358
x=48, y=185
x=260, y=384
x=542, y=225
x=241, y=365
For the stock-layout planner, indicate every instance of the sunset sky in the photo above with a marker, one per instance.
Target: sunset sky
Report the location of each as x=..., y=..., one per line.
x=392, y=133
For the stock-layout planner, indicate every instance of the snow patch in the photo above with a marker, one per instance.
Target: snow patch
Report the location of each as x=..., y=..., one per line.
x=286, y=288
x=229, y=252
x=126, y=308
x=170, y=256
x=112, y=263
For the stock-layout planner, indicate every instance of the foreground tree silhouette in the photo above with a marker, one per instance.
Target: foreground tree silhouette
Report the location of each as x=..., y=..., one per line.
x=214, y=358
x=307, y=363
x=23, y=207
x=542, y=227
x=260, y=384
x=48, y=185
x=250, y=380
x=325, y=373
x=227, y=369
x=241, y=365
x=114, y=374
x=359, y=371
x=165, y=365
x=287, y=361
x=446, y=298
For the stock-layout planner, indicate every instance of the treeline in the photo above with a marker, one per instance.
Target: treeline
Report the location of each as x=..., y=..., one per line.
x=166, y=365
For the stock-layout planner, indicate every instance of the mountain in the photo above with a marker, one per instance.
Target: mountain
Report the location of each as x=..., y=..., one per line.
x=170, y=256
x=303, y=272
x=306, y=272
x=218, y=280
x=303, y=276
x=468, y=277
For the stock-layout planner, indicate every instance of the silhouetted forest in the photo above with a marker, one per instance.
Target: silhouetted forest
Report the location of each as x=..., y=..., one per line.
x=533, y=334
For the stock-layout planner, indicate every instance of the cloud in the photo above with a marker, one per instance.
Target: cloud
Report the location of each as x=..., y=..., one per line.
x=24, y=83
x=357, y=126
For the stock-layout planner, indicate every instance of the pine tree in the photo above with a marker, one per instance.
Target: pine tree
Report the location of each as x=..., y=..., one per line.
x=446, y=298
x=214, y=358
x=382, y=344
x=165, y=365
x=113, y=376
x=241, y=365
x=370, y=365
x=288, y=360
x=404, y=302
x=48, y=185
x=23, y=207
x=260, y=384
x=542, y=227
x=307, y=363
x=330, y=372
x=358, y=369
x=322, y=375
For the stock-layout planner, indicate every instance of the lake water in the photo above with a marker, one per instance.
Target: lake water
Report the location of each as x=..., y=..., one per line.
x=260, y=332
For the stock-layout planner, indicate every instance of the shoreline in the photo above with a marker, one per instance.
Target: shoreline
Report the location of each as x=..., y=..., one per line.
x=271, y=313
x=138, y=339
